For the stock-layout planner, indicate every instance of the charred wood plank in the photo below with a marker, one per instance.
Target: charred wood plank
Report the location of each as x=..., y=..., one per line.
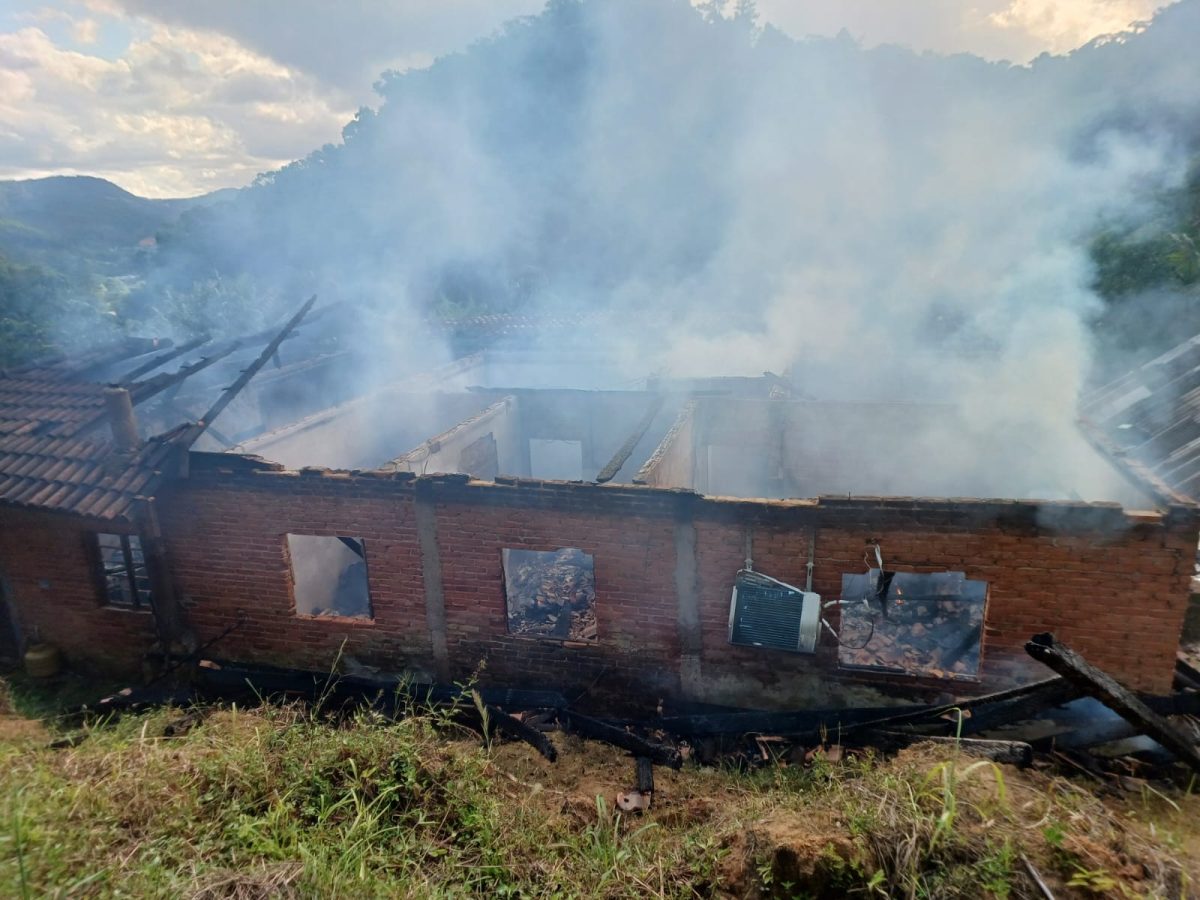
x=1186, y=675
x=1186, y=703
x=989, y=710
x=141, y=391
x=747, y=722
x=1016, y=753
x=645, y=775
x=1032, y=704
x=609, y=472
x=161, y=359
x=515, y=728
x=1097, y=683
x=979, y=713
x=610, y=734
x=251, y=370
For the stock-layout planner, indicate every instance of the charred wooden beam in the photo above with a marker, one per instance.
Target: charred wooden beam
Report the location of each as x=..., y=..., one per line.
x=144, y=390
x=978, y=714
x=1019, y=707
x=161, y=360
x=170, y=619
x=515, y=728
x=1097, y=683
x=609, y=472
x=251, y=370
x=1016, y=753
x=645, y=775
x=619, y=737
x=1186, y=675
x=642, y=797
x=760, y=722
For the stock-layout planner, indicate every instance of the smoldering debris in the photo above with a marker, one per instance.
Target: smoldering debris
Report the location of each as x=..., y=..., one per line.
x=551, y=594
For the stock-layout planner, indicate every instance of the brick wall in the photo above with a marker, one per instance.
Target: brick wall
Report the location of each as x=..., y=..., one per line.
x=49, y=568
x=630, y=536
x=226, y=531
x=1112, y=584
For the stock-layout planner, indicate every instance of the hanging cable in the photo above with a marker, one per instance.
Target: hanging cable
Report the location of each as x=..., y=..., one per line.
x=865, y=599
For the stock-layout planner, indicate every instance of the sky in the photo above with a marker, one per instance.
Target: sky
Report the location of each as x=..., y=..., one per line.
x=172, y=98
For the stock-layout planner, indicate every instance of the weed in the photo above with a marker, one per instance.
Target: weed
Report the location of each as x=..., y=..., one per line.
x=289, y=800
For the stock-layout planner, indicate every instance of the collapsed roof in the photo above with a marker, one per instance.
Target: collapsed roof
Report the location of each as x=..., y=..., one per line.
x=537, y=415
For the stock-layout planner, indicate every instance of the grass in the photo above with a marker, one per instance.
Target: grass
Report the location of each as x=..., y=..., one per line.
x=277, y=801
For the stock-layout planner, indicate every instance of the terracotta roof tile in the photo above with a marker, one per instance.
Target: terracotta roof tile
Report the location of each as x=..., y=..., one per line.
x=55, y=452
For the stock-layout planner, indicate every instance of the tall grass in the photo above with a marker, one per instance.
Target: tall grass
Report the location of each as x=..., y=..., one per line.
x=281, y=801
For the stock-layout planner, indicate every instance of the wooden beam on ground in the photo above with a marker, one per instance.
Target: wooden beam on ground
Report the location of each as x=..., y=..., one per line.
x=619, y=737
x=251, y=370
x=645, y=775
x=1096, y=683
x=1186, y=675
x=1018, y=707
x=609, y=472
x=515, y=728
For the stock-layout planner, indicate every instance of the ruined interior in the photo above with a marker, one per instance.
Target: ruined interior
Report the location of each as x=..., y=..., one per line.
x=716, y=539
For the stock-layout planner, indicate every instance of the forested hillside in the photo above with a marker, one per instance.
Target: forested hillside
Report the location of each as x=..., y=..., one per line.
x=72, y=251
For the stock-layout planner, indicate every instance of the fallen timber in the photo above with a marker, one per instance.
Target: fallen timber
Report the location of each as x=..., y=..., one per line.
x=1102, y=686
x=969, y=716
x=515, y=728
x=588, y=727
x=974, y=725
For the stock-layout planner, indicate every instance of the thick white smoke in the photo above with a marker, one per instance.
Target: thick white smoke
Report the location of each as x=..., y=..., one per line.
x=882, y=225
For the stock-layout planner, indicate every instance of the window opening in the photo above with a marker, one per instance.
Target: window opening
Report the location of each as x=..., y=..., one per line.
x=556, y=460
x=123, y=571
x=920, y=624
x=550, y=593
x=329, y=576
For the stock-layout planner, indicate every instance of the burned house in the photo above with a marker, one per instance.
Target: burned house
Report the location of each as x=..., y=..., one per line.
x=719, y=540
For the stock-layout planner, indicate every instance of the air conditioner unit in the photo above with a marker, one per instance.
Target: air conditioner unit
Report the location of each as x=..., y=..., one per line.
x=765, y=612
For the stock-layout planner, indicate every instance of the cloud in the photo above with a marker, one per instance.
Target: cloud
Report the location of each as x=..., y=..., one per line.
x=1016, y=30
x=344, y=45
x=106, y=86
x=1063, y=25
x=86, y=31
x=178, y=112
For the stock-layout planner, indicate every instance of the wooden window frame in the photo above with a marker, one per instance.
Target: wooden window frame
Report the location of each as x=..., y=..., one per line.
x=140, y=600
